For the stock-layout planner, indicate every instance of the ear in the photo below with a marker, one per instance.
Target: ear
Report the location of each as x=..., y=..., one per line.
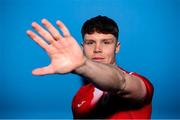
x=117, y=47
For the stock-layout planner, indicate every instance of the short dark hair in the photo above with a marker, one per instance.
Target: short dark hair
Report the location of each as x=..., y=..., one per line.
x=100, y=24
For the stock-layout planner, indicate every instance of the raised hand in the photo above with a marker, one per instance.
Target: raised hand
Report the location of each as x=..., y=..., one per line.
x=65, y=53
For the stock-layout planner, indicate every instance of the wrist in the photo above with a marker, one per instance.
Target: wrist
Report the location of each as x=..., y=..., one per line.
x=81, y=68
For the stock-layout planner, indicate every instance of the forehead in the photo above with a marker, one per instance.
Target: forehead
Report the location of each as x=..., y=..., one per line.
x=98, y=36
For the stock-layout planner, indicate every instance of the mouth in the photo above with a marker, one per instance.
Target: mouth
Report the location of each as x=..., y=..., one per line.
x=97, y=58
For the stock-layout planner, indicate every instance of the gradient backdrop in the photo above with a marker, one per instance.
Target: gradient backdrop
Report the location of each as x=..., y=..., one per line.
x=149, y=35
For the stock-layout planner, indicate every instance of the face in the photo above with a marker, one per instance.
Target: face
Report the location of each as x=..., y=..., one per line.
x=100, y=47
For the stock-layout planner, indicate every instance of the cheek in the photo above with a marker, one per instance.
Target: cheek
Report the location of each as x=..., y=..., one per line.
x=110, y=54
x=87, y=52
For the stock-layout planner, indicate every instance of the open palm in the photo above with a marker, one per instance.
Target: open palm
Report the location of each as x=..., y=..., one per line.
x=65, y=53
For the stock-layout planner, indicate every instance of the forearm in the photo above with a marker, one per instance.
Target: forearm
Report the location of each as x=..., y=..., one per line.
x=104, y=76
x=110, y=78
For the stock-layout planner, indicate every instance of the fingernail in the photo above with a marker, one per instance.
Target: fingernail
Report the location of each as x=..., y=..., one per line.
x=33, y=24
x=28, y=32
x=57, y=22
x=43, y=20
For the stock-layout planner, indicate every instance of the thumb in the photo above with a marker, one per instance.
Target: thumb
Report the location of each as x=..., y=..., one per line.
x=43, y=71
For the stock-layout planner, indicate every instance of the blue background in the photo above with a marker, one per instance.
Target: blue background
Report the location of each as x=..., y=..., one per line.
x=149, y=35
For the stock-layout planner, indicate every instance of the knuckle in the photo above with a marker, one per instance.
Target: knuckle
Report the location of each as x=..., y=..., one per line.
x=56, y=36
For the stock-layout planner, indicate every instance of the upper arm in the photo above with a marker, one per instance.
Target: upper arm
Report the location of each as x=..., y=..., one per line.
x=148, y=87
x=138, y=88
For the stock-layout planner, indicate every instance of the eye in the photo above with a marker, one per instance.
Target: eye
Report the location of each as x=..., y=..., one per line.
x=106, y=42
x=89, y=42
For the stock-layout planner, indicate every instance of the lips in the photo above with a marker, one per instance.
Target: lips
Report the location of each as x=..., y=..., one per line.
x=97, y=58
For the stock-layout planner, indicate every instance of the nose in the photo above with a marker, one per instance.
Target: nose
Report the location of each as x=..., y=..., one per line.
x=98, y=48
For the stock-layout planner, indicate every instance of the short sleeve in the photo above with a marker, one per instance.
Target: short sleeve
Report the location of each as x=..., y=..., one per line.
x=149, y=87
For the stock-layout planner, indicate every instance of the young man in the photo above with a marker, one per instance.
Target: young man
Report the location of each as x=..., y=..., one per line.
x=112, y=93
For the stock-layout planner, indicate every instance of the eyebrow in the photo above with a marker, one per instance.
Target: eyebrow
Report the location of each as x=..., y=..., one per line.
x=89, y=40
x=109, y=39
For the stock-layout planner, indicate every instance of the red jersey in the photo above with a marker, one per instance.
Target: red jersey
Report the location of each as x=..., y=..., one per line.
x=91, y=102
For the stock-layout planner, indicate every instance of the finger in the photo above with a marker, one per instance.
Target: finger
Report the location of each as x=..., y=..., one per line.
x=37, y=39
x=45, y=34
x=63, y=28
x=43, y=71
x=55, y=33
